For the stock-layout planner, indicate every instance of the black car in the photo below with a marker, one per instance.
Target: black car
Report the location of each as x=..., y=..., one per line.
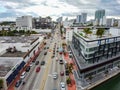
x=37, y=62
x=45, y=53
x=18, y=83
x=27, y=69
x=47, y=47
x=42, y=62
x=61, y=62
x=67, y=72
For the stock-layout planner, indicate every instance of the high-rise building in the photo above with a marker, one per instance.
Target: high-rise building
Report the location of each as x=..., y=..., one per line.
x=24, y=22
x=110, y=22
x=78, y=19
x=60, y=19
x=83, y=17
x=100, y=18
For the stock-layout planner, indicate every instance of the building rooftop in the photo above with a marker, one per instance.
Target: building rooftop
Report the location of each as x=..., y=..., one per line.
x=17, y=39
x=13, y=54
x=113, y=32
x=4, y=70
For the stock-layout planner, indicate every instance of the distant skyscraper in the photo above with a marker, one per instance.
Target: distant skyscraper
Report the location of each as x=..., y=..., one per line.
x=60, y=19
x=110, y=22
x=83, y=17
x=100, y=18
x=78, y=19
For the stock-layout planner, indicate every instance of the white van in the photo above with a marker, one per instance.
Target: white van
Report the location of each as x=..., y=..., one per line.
x=22, y=76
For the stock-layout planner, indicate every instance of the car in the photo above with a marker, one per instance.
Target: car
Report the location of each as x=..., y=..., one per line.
x=61, y=61
x=56, y=58
x=42, y=62
x=27, y=69
x=44, y=48
x=23, y=82
x=67, y=72
x=37, y=62
x=31, y=64
x=18, y=83
x=53, y=52
x=55, y=75
x=53, y=56
x=45, y=53
x=47, y=47
x=62, y=86
x=22, y=76
x=62, y=73
x=37, y=69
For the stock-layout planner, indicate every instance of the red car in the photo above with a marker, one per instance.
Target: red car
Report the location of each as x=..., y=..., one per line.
x=37, y=69
x=62, y=73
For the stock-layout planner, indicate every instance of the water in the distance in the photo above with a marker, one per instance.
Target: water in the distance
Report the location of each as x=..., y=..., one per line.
x=112, y=84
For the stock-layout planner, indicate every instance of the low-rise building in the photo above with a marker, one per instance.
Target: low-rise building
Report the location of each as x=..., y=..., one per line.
x=15, y=54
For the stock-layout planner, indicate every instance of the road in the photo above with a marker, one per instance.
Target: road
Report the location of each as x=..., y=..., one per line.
x=44, y=79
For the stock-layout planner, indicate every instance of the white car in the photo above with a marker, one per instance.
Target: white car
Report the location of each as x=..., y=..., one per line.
x=55, y=75
x=62, y=86
x=22, y=76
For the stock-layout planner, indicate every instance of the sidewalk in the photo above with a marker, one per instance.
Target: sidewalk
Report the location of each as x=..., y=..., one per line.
x=69, y=60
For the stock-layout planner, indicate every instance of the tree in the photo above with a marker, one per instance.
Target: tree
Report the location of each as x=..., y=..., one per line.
x=68, y=80
x=90, y=78
x=100, y=32
x=70, y=67
x=87, y=31
x=1, y=83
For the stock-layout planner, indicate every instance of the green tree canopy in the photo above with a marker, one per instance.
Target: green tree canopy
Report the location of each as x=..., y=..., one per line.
x=100, y=32
x=87, y=31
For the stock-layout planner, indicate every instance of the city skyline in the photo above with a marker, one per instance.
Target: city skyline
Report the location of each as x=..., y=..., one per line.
x=10, y=9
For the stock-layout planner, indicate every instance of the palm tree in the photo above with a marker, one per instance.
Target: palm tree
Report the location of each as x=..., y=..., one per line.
x=1, y=83
x=70, y=67
x=100, y=32
x=87, y=31
x=90, y=78
x=68, y=80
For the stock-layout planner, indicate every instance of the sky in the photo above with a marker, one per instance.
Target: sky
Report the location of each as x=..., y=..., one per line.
x=10, y=9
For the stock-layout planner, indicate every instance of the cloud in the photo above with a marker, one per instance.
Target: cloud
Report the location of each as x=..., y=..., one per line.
x=55, y=8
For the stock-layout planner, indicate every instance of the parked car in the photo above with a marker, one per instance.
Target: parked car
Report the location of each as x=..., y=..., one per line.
x=27, y=69
x=62, y=73
x=31, y=64
x=37, y=62
x=42, y=62
x=22, y=76
x=62, y=86
x=37, y=69
x=18, y=83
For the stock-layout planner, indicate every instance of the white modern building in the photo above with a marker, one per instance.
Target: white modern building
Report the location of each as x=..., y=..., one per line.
x=15, y=54
x=24, y=23
x=94, y=55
